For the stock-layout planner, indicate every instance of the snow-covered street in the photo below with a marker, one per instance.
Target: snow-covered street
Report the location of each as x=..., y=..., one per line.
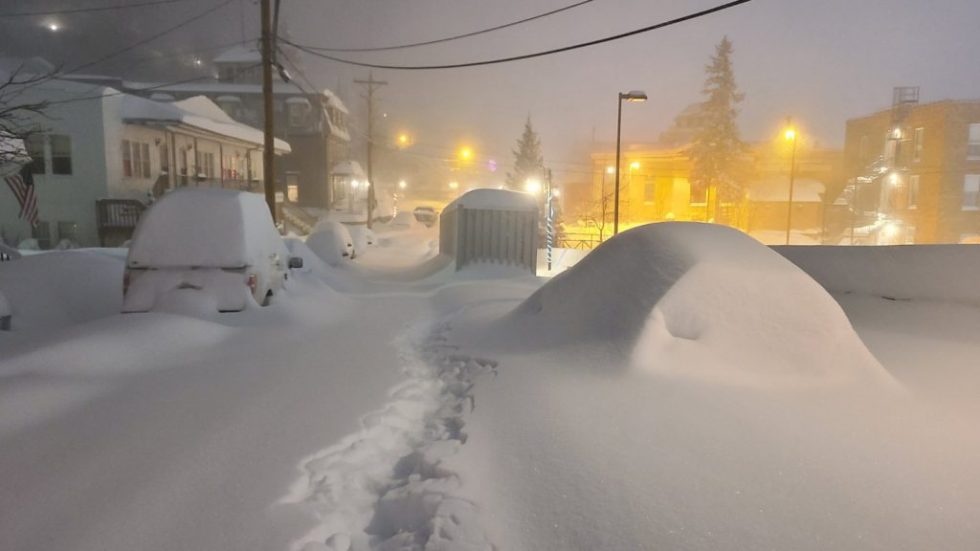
x=395, y=404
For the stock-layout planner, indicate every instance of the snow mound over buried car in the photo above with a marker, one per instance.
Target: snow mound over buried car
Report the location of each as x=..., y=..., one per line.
x=700, y=301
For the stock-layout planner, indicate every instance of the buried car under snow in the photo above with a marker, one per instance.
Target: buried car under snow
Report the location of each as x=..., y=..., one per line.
x=221, y=243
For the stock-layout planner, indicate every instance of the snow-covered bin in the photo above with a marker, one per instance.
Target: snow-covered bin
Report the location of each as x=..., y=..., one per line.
x=4, y=313
x=492, y=226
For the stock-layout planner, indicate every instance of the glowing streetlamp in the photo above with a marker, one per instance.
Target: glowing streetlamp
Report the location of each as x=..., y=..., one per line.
x=790, y=135
x=53, y=27
x=403, y=140
x=402, y=184
x=532, y=186
x=465, y=153
x=633, y=96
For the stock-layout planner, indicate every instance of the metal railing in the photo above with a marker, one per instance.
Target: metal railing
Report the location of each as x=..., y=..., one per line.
x=116, y=219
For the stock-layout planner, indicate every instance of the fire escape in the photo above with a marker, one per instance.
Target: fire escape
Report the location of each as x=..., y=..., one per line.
x=872, y=195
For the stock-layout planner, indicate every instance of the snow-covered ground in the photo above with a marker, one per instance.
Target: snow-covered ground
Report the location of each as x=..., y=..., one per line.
x=682, y=387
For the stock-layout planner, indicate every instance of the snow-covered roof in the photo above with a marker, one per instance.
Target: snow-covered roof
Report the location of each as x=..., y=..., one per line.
x=334, y=101
x=777, y=191
x=239, y=54
x=198, y=112
x=495, y=199
x=348, y=168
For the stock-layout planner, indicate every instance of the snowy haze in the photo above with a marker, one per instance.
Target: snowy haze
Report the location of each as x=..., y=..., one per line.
x=820, y=62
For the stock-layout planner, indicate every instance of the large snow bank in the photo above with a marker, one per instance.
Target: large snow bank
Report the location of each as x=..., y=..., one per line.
x=928, y=272
x=699, y=300
x=57, y=289
x=205, y=227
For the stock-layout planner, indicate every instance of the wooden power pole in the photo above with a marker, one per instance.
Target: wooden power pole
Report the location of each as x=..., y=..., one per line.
x=269, y=151
x=371, y=85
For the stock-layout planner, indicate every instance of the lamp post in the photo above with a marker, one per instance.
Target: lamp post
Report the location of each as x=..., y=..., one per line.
x=790, y=135
x=633, y=96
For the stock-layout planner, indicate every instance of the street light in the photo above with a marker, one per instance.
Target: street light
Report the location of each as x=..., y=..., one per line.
x=633, y=96
x=403, y=140
x=402, y=184
x=532, y=186
x=791, y=136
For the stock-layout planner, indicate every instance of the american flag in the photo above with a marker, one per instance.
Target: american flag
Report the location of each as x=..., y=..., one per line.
x=22, y=185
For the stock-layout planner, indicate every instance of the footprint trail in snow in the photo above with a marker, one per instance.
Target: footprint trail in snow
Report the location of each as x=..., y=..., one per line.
x=385, y=487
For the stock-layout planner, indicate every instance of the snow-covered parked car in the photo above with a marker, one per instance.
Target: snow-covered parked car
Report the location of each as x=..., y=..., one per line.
x=362, y=237
x=221, y=243
x=426, y=215
x=332, y=242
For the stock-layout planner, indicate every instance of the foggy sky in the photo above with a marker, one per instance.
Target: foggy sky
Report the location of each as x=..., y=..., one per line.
x=820, y=62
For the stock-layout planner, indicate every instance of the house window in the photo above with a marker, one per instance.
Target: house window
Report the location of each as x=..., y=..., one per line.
x=971, y=192
x=127, y=159
x=973, y=147
x=136, y=159
x=60, y=154
x=917, y=138
x=297, y=109
x=914, y=191
x=35, y=149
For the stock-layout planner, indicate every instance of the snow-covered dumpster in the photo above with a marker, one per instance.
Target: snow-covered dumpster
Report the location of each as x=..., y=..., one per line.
x=491, y=226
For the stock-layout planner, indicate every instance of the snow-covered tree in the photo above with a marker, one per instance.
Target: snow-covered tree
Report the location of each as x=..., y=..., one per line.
x=17, y=118
x=717, y=147
x=528, y=161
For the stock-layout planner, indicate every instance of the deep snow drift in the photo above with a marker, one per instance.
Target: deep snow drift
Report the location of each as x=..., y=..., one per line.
x=699, y=300
x=570, y=448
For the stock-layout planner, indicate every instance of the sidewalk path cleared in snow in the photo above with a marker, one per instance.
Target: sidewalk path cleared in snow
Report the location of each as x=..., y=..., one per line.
x=385, y=487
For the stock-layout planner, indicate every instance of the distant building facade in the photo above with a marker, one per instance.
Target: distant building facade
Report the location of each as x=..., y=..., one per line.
x=100, y=155
x=914, y=172
x=655, y=186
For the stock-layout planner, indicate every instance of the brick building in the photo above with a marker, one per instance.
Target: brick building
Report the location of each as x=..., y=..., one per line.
x=914, y=171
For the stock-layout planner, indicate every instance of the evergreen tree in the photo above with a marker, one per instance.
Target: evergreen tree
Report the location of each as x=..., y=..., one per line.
x=528, y=161
x=717, y=147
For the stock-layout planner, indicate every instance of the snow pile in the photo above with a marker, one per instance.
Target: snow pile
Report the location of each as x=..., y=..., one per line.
x=703, y=301
x=495, y=199
x=205, y=227
x=56, y=289
x=927, y=272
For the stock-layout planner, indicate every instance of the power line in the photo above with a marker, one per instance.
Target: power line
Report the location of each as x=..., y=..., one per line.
x=455, y=37
x=580, y=45
x=90, y=9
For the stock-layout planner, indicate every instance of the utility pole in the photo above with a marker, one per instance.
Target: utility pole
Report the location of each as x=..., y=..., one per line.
x=268, y=151
x=371, y=85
